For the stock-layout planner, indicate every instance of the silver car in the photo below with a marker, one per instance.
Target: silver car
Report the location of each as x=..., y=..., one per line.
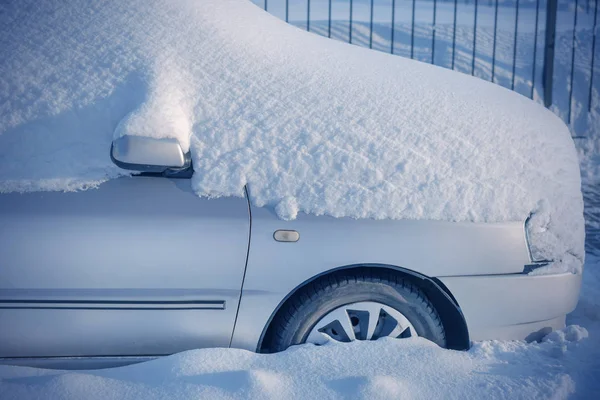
x=143, y=267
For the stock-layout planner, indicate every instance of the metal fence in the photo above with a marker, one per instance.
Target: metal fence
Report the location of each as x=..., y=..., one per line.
x=543, y=49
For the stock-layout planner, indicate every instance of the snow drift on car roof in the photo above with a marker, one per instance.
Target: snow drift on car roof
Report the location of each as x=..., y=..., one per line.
x=309, y=124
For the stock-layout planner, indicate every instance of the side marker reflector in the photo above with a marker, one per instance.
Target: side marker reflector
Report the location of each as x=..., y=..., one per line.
x=286, y=236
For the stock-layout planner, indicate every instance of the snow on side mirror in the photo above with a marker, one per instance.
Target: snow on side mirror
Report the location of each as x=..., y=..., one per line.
x=145, y=154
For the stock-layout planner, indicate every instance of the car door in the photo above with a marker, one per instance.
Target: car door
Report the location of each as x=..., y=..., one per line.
x=139, y=266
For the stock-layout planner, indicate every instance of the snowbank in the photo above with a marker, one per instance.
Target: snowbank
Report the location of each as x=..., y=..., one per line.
x=309, y=124
x=384, y=369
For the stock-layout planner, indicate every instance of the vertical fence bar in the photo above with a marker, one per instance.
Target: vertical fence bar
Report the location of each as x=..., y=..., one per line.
x=454, y=34
x=371, y=27
x=514, y=66
x=329, y=21
x=350, y=30
x=287, y=10
x=266, y=5
x=593, y=55
x=412, y=31
x=393, y=24
x=308, y=15
x=573, y=47
x=549, y=50
x=535, y=36
x=474, y=39
x=433, y=33
x=494, y=43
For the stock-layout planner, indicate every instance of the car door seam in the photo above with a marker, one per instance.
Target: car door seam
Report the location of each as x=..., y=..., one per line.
x=245, y=265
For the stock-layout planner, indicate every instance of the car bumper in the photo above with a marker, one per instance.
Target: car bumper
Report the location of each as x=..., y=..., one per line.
x=516, y=306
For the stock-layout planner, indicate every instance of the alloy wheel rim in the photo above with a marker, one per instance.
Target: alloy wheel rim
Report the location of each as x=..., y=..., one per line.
x=365, y=320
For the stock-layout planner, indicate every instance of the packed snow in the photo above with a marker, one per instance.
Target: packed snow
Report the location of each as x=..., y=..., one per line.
x=309, y=124
x=385, y=369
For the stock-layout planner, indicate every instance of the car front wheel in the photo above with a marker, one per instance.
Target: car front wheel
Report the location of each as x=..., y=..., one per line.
x=348, y=306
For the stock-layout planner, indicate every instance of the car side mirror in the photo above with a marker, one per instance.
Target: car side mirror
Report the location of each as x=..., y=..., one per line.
x=146, y=154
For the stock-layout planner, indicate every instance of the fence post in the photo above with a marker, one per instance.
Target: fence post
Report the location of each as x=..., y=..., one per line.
x=371, y=27
x=574, y=47
x=329, y=23
x=308, y=15
x=412, y=32
x=514, y=66
x=535, y=43
x=548, y=74
x=494, y=45
x=593, y=55
x=393, y=25
x=350, y=25
x=454, y=34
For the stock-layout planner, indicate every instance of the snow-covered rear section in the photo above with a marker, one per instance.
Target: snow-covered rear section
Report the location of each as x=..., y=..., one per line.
x=309, y=124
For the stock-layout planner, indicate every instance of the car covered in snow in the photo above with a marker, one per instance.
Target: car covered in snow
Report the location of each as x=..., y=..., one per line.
x=143, y=267
x=200, y=174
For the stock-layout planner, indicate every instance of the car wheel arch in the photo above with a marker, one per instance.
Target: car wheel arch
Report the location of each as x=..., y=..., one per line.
x=453, y=320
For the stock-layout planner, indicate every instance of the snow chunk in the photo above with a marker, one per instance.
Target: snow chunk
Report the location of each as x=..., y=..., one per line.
x=287, y=209
x=572, y=333
x=308, y=124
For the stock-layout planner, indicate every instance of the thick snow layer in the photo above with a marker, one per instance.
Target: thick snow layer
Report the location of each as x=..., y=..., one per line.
x=309, y=124
x=564, y=365
x=385, y=369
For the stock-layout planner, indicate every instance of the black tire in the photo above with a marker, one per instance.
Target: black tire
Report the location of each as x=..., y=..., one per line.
x=305, y=308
